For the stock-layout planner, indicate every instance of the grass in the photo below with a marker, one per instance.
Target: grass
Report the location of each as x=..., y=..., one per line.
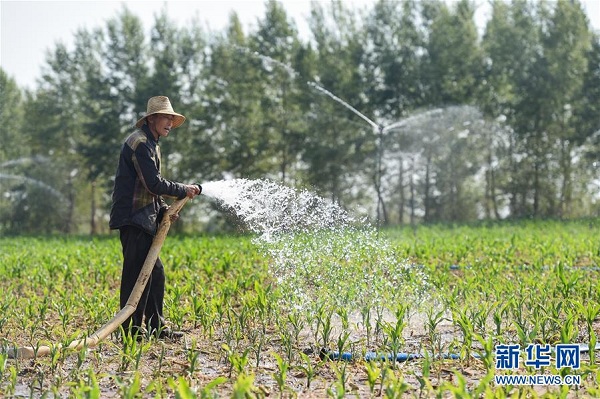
x=466, y=289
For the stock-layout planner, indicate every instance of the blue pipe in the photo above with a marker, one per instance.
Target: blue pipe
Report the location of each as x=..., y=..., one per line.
x=404, y=357
x=371, y=356
x=545, y=267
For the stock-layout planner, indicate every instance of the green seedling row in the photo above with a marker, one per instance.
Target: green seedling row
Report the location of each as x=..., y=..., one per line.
x=440, y=290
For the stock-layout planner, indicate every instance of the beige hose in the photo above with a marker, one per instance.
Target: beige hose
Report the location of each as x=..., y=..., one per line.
x=28, y=352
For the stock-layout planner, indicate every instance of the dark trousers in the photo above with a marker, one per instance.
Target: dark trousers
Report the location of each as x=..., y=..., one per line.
x=136, y=244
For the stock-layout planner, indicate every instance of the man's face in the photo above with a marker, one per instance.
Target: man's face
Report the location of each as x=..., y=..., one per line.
x=160, y=124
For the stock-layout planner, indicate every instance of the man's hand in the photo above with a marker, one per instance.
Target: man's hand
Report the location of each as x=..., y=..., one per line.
x=191, y=190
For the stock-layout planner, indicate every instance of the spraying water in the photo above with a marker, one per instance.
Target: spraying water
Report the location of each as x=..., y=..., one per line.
x=270, y=209
x=268, y=61
x=37, y=183
x=345, y=104
x=24, y=161
x=318, y=250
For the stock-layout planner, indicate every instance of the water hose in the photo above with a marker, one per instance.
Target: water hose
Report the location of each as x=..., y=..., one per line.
x=404, y=357
x=29, y=352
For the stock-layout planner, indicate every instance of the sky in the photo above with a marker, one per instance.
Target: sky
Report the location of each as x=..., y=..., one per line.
x=28, y=29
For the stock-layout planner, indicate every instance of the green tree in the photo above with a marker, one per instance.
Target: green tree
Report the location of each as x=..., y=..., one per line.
x=11, y=118
x=391, y=72
x=125, y=52
x=195, y=156
x=544, y=110
x=13, y=139
x=453, y=58
x=233, y=109
x=276, y=40
x=101, y=129
x=167, y=77
x=113, y=65
x=52, y=123
x=586, y=114
x=567, y=42
x=511, y=39
x=341, y=148
x=391, y=59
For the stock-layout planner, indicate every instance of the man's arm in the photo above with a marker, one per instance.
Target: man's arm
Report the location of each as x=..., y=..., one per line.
x=149, y=175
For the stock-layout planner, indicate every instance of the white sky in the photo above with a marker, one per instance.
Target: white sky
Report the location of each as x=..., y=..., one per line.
x=28, y=29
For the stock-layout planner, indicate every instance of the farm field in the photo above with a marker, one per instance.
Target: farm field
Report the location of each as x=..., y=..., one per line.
x=461, y=290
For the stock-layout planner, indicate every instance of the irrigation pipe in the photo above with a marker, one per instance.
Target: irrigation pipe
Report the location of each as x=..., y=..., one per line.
x=30, y=352
x=404, y=357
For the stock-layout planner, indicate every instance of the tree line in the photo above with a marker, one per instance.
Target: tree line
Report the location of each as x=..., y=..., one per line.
x=448, y=123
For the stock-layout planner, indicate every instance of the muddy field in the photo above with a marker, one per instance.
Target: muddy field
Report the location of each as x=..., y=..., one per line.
x=464, y=291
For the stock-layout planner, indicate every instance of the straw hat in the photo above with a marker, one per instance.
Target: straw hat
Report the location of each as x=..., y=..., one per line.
x=161, y=105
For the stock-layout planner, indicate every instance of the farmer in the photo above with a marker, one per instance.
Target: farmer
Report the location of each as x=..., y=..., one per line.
x=137, y=207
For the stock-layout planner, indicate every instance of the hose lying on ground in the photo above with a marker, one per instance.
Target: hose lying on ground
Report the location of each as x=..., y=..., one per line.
x=403, y=357
x=29, y=352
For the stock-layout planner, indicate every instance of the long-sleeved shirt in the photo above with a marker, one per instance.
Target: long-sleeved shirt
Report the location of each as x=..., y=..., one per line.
x=136, y=198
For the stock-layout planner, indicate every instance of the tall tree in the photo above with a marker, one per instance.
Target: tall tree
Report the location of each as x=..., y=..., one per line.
x=511, y=39
x=391, y=72
x=587, y=114
x=125, y=51
x=195, y=155
x=339, y=140
x=12, y=136
x=391, y=59
x=543, y=111
x=452, y=60
x=98, y=140
x=276, y=40
x=11, y=118
x=113, y=63
x=52, y=125
x=567, y=42
x=233, y=109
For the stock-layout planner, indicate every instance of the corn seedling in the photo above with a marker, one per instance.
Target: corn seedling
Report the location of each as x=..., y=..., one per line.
x=568, y=331
x=81, y=356
x=88, y=389
x=379, y=311
x=393, y=335
x=514, y=276
x=435, y=339
x=199, y=307
x=192, y=357
x=338, y=389
x=257, y=343
x=132, y=351
x=395, y=387
x=157, y=387
x=244, y=386
x=424, y=382
x=130, y=388
x=237, y=361
x=161, y=359
x=324, y=320
x=590, y=312
x=281, y=375
x=365, y=313
x=181, y=388
x=373, y=374
x=487, y=355
x=207, y=391
x=297, y=323
x=307, y=368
